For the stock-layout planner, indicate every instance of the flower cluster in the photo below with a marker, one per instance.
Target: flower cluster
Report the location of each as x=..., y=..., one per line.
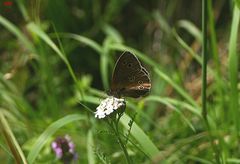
x=64, y=149
x=108, y=106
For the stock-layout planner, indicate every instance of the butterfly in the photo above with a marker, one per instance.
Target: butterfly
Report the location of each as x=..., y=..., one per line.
x=130, y=78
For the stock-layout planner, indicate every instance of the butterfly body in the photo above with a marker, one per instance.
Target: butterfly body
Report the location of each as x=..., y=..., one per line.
x=129, y=78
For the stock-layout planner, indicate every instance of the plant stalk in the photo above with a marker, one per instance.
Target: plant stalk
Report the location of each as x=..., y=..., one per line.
x=128, y=160
x=204, y=78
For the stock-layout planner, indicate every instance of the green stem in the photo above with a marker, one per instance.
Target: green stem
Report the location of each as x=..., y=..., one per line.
x=204, y=58
x=113, y=123
x=128, y=160
x=204, y=78
x=214, y=50
x=233, y=68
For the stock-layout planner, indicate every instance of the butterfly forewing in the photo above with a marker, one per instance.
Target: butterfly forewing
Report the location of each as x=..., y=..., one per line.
x=125, y=67
x=129, y=77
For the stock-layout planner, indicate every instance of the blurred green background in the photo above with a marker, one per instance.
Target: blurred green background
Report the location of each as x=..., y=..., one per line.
x=56, y=62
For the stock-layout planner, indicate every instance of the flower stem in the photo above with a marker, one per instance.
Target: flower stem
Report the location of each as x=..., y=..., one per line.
x=121, y=142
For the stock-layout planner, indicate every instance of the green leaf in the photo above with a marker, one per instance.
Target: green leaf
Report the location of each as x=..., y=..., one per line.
x=147, y=145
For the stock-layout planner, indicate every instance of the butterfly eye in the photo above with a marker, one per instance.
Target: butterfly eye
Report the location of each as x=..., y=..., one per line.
x=129, y=65
x=140, y=82
x=140, y=87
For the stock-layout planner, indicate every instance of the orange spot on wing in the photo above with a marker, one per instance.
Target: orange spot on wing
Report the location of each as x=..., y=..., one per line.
x=135, y=87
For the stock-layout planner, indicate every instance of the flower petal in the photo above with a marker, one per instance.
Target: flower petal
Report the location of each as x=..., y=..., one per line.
x=108, y=106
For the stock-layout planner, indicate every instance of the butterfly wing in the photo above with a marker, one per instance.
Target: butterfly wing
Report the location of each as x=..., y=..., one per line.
x=129, y=77
x=139, y=87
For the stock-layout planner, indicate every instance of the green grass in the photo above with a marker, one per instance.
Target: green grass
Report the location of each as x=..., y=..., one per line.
x=56, y=66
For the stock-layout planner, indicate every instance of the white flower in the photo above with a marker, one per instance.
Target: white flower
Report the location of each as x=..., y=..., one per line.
x=108, y=106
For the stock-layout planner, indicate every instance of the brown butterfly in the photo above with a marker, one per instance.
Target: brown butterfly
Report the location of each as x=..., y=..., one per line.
x=129, y=78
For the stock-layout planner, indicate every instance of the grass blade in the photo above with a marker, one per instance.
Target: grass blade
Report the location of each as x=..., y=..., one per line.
x=233, y=66
x=90, y=150
x=11, y=141
x=39, y=32
x=42, y=139
x=91, y=43
x=175, y=86
x=147, y=145
x=14, y=30
x=174, y=105
x=191, y=28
